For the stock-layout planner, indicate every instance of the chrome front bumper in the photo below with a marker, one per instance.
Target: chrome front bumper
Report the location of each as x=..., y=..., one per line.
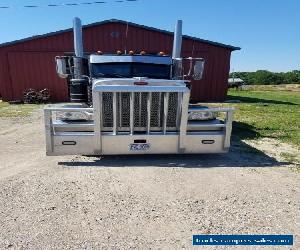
x=86, y=138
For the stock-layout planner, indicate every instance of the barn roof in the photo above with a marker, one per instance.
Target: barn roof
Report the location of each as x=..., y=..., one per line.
x=123, y=22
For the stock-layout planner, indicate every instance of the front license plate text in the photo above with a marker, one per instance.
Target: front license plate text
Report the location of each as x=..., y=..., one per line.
x=139, y=146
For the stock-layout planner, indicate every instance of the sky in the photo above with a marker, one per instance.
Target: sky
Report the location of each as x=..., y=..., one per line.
x=268, y=31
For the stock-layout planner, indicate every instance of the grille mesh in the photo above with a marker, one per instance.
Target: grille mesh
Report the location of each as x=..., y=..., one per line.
x=157, y=104
x=107, y=109
x=172, y=110
x=140, y=111
x=123, y=110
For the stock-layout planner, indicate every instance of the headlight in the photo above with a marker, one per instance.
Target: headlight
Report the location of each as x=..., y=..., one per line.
x=201, y=115
x=74, y=115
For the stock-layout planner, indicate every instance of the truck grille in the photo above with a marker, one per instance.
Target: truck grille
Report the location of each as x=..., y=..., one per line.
x=143, y=102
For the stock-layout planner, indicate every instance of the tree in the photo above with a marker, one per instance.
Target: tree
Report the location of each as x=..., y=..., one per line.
x=267, y=77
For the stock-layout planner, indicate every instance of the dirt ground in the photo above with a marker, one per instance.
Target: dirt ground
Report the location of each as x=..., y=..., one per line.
x=142, y=202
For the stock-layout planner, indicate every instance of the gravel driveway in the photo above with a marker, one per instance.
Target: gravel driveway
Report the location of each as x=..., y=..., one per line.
x=142, y=202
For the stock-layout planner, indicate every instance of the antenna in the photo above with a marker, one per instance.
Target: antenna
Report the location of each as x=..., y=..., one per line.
x=126, y=35
x=193, y=49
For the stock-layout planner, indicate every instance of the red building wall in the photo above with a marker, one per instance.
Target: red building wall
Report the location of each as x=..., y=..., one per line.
x=30, y=63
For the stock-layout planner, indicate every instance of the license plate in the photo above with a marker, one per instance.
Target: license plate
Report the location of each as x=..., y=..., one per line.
x=139, y=146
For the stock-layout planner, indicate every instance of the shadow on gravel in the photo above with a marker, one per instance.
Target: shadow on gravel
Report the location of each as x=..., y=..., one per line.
x=240, y=155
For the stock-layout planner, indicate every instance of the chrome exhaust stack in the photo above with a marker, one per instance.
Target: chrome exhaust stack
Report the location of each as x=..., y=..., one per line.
x=177, y=42
x=78, y=86
x=77, y=32
x=176, y=54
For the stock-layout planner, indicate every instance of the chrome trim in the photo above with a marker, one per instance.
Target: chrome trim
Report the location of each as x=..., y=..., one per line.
x=90, y=138
x=159, y=113
x=183, y=121
x=120, y=115
x=204, y=109
x=131, y=112
x=97, y=104
x=178, y=115
x=209, y=125
x=177, y=40
x=228, y=128
x=77, y=34
x=114, y=113
x=131, y=81
x=118, y=145
x=133, y=88
x=88, y=126
x=59, y=108
x=140, y=104
x=149, y=111
x=48, y=130
x=166, y=100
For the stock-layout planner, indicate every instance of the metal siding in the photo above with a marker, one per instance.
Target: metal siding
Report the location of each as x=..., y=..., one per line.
x=226, y=69
x=32, y=62
x=200, y=87
x=36, y=70
x=214, y=75
x=6, y=90
x=213, y=86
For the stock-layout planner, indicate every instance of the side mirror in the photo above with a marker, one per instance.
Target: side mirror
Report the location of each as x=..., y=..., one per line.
x=198, y=69
x=61, y=66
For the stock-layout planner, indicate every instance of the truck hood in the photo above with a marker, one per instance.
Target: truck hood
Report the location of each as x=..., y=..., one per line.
x=138, y=85
x=137, y=82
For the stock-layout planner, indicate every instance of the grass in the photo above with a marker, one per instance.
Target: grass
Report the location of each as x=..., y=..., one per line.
x=274, y=114
x=16, y=110
x=278, y=87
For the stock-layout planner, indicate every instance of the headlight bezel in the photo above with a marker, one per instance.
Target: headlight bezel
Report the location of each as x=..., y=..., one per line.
x=201, y=114
x=73, y=116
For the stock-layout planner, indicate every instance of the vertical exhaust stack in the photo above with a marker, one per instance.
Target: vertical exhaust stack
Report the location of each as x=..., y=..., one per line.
x=78, y=84
x=177, y=40
x=77, y=31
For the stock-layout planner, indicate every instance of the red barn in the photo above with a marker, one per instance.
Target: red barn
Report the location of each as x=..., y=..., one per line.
x=29, y=63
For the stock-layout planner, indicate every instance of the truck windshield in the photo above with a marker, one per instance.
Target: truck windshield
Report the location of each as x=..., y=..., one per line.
x=128, y=70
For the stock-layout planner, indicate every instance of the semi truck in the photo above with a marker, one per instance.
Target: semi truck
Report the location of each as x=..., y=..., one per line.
x=133, y=103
